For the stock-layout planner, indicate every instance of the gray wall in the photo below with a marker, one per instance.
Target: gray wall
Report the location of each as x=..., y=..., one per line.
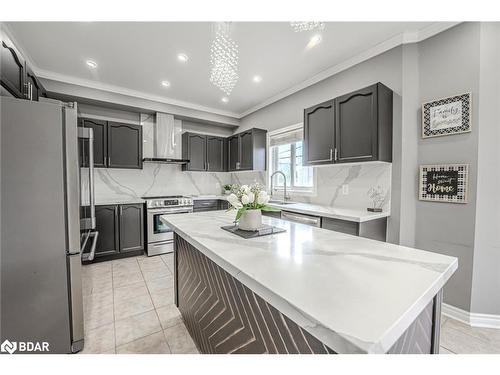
x=448, y=65
x=486, y=270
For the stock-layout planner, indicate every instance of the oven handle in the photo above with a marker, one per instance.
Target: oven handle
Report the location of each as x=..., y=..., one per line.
x=157, y=211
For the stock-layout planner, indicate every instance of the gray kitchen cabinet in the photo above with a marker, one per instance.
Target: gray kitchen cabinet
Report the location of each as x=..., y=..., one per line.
x=204, y=152
x=121, y=229
x=131, y=227
x=216, y=154
x=319, y=134
x=355, y=127
x=35, y=89
x=233, y=152
x=12, y=74
x=16, y=77
x=223, y=204
x=100, y=142
x=247, y=150
x=373, y=229
x=194, y=148
x=363, y=125
x=107, y=224
x=124, y=146
x=116, y=145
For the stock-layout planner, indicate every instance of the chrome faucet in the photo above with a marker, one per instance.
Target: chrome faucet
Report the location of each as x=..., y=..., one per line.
x=285, y=197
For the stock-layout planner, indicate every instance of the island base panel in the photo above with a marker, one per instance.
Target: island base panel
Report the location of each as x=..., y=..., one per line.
x=224, y=316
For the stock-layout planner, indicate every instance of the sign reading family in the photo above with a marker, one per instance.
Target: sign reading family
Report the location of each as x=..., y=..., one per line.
x=443, y=183
x=446, y=116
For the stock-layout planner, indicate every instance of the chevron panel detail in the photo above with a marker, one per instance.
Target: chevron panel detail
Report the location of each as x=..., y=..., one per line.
x=417, y=339
x=224, y=316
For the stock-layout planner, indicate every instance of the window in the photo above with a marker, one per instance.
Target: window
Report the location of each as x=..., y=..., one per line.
x=286, y=150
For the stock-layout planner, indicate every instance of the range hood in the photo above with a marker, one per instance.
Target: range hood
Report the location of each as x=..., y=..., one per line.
x=162, y=139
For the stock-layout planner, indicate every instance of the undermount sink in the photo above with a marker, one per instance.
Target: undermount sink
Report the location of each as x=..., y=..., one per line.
x=280, y=202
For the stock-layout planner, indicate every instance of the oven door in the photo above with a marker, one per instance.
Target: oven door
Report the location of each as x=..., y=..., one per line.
x=158, y=231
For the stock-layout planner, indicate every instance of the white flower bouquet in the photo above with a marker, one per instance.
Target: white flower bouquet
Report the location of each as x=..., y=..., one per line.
x=249, y=197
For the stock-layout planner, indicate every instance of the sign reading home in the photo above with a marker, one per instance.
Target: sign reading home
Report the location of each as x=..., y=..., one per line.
x=443, y=183
x=446, y=116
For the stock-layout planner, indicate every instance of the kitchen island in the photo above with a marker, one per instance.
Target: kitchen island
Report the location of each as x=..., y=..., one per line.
x=307, y=290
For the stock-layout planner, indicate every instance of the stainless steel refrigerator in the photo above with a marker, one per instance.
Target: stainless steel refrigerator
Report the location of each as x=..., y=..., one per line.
x=44, y=224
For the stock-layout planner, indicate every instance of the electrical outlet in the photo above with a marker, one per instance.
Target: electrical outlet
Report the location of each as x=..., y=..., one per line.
x=345, y=189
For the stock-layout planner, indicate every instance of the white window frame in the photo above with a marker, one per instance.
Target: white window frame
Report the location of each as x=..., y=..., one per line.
x=270, y=167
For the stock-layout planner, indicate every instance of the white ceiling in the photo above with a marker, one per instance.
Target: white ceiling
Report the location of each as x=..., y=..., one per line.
x=135, y=57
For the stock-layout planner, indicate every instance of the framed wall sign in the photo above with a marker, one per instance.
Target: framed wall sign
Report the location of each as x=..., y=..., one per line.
x=443, y=183
x=447, y=116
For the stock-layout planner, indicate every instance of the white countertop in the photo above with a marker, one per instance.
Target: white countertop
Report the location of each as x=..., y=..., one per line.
x=354, y=294
x=349, y=214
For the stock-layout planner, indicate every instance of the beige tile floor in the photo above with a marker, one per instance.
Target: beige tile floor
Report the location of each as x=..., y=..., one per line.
x=129, y=308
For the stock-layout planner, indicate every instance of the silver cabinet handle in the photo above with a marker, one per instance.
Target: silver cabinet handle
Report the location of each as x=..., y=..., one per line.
x=208, y=166
x=336, y=154
x=31, y=91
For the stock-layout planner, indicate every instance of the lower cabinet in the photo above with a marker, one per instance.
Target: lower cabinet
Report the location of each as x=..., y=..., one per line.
x=201, y=205
x=373, y=229
x=121, y=229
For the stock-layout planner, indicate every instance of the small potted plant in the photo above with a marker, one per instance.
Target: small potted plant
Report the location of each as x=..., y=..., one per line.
x=249, y=201
x=376, y=194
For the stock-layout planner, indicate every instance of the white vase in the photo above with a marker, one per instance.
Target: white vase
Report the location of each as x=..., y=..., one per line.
x=251, y=220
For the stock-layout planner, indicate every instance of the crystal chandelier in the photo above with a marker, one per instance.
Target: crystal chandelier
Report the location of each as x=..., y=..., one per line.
x=224, y=58
x=307, y=26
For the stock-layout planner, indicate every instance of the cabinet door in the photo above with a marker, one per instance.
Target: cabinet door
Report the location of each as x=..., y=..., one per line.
x=233, y=153
x=356, y=126
x=107, y=225
x=216, y=154
x=124, y=146
x=205, y=205
x=34, y=86
x=131, y=227
x=100, y=142
x=246, y=150
x=319, y=134
x=197, y=151
x=12, y=74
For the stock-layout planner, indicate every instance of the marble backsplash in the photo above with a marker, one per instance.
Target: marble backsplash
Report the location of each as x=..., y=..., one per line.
x=153, y=180
x=329, y=181
x=168, y=179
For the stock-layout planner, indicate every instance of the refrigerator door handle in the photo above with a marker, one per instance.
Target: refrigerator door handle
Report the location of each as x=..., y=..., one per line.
x=91, y=179
x=88, y=257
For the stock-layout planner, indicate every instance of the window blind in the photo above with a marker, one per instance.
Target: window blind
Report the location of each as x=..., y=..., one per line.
x=284, y=138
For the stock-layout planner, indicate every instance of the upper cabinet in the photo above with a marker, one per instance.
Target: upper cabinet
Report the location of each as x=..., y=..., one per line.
x=16, y=77
x=319, y=129
x=355, y=127
x=124, y=145
x=204, y=152
x=247, y=151
x=116, y=145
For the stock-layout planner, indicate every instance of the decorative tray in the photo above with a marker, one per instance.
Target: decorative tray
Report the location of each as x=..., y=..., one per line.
x=265, y=230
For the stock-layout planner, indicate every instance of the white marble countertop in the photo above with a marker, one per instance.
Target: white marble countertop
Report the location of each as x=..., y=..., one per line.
x=112, y=201
x=354, y=294
x=349, y=214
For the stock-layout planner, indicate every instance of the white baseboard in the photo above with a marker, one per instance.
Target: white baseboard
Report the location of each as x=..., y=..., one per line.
x=472, y=319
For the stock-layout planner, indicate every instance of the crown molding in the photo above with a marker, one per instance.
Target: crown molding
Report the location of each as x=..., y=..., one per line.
x=397, y=40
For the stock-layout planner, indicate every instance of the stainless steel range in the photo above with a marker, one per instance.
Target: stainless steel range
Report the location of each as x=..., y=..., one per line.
x=160, y=235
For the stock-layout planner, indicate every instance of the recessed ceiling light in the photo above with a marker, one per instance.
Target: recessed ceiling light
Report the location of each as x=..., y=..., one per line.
x=91, y=64
x=225, y=99
x=314, y=41
x=182, y=57
x=165, y=83
x=257, y=79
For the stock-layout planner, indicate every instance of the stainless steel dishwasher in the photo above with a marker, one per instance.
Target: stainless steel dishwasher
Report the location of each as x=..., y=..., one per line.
x=314, y=221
